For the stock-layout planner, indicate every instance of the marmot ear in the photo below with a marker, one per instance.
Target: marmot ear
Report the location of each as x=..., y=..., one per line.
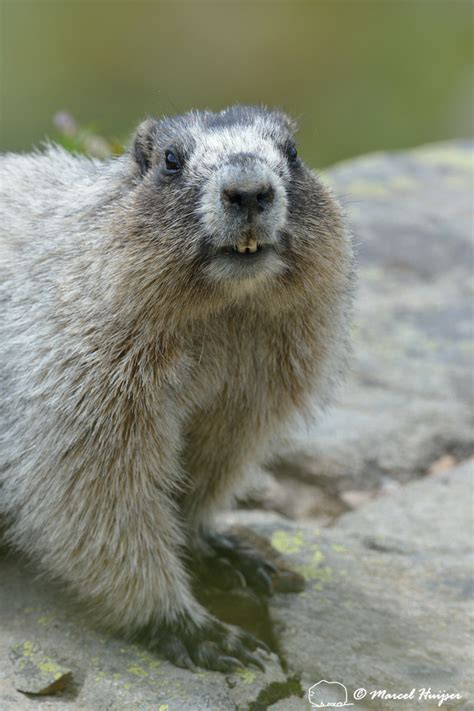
x=290, y=124
x=142, y=147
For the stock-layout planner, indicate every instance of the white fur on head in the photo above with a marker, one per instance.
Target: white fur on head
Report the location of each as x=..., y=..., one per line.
x=242, y=158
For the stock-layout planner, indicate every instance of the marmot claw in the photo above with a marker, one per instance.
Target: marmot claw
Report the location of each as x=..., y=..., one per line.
x=214, y=645
x=233, y=563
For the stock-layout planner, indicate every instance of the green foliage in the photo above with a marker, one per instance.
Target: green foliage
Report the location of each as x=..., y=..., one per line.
x=83, y=139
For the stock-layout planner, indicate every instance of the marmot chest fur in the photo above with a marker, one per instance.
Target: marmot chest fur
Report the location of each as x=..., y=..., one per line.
x=163, y=314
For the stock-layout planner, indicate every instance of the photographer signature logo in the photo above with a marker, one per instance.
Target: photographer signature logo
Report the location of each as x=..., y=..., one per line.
x=328, y=694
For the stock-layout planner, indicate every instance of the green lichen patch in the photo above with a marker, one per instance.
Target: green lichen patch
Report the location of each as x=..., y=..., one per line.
x=368, y=188
x=404, y=182
x=137, y=671
x=287, y=543
x=37, y=673
x=315, y=571
x=247, y=676
x=447, y=156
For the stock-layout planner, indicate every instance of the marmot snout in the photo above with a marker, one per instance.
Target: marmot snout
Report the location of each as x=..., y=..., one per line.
x=243, y=208
x=163, y=315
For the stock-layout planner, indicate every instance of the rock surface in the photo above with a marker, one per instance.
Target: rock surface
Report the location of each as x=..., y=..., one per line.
x=388, y=603
x=387, y=599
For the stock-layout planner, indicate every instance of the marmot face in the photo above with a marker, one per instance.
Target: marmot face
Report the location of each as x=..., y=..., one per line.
x=231, y=189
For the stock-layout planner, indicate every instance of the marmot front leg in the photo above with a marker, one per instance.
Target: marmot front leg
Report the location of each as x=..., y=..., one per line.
x=117, y=542
x=215, y=457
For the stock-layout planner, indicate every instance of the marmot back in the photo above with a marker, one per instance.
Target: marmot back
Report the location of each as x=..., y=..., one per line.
x=164, y=314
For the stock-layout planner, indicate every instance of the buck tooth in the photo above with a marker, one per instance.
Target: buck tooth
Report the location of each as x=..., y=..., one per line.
x=252, y=246
x=241, y=248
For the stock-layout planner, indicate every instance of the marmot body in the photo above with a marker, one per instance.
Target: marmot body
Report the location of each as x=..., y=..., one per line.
x=163, y=314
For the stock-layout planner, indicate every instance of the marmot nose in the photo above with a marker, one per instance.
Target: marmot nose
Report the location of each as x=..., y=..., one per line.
x=249, y=201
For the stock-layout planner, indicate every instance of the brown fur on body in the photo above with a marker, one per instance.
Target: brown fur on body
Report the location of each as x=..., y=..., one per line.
x=139, y=381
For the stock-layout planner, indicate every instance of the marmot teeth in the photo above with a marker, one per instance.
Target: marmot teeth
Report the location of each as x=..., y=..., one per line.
x=251, y=246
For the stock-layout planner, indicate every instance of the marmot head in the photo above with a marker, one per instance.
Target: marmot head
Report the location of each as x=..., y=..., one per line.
x=230, y=190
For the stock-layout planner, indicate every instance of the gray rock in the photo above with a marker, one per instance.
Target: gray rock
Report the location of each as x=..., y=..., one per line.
x=388, y=603
x=35, y=672
x=409, y=398
x=291, y=704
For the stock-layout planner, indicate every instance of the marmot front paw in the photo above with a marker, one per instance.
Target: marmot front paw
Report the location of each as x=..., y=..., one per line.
x=229, y=563
x=214, y=645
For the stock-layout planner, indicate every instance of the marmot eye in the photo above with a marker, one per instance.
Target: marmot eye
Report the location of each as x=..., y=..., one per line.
x=292, y=153
x=172, y=161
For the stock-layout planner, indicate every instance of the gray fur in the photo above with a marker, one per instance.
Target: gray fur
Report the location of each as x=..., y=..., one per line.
x=141, y=373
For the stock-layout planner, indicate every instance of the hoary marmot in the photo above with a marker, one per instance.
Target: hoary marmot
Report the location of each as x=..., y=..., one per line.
x=164, y=313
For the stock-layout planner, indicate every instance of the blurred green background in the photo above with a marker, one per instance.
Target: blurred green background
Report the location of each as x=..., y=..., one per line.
x=360, y=75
